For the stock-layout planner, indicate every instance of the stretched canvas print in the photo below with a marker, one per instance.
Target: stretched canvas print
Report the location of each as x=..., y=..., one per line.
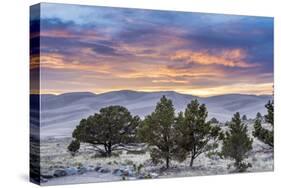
x=121, y=94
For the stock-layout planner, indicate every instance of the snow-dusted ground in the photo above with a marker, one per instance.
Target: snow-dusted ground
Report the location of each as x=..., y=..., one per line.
x=54, y=156
x=89, y=177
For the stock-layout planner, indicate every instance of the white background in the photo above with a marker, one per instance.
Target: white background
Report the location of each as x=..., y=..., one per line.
x=14, y=88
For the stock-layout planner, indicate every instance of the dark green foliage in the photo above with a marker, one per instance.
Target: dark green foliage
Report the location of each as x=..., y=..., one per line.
x=194, y=133
x=157, y=131
x=73, y=147
x=111, y=128
x=214, y=121
x=182, y=139
x=237, y=144
x=244, y=118
x=263, y=134
x=259, y=116
x=269, y=118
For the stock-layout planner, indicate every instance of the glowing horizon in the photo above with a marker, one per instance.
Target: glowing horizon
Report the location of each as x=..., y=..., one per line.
x=102, y=49
x=200, y=93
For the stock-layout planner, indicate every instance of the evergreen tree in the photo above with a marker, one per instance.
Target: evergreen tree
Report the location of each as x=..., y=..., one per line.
x=111, y=128
x=263, y=134
x=194, y=133
x=237, y=143
x=214, y=121
x=73, y=147
x=269, y=118
x=244, y=118
x=259, y=116
x=157, y=131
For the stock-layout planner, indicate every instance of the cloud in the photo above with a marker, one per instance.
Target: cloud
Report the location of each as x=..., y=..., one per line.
x=231, y=58
x=106, y=50
x=109, y=49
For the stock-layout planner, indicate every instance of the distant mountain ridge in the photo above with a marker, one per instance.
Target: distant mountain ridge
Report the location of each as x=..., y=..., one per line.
x=61, y=113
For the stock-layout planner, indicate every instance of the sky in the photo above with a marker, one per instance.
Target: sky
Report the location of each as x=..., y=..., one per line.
x=101, y=49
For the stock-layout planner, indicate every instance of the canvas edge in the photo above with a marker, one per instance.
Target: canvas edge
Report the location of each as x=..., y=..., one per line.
x=34, y=97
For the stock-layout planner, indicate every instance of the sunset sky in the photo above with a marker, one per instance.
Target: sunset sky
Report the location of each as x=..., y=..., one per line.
x=98, y=49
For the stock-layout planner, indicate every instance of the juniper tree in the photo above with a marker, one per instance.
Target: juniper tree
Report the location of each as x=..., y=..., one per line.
x=111, y=128
x=194, y=133
x=237, y=143
x=214, y=121
x=244, y=118
x=259, y=116
x=263, y=134
x=157, y=131
x=73, y=147
x=270, y=112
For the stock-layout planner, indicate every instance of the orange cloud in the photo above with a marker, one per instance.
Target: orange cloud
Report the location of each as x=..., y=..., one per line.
x=58, y=33
x=148, y=74
x=34, y=61
x=156, y=72
x=58, y=61
x=230, y=58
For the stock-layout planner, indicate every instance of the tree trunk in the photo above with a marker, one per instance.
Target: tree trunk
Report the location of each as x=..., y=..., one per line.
x=193, y=153
x=191, y=161
x=167, y=162
x=109, y=150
